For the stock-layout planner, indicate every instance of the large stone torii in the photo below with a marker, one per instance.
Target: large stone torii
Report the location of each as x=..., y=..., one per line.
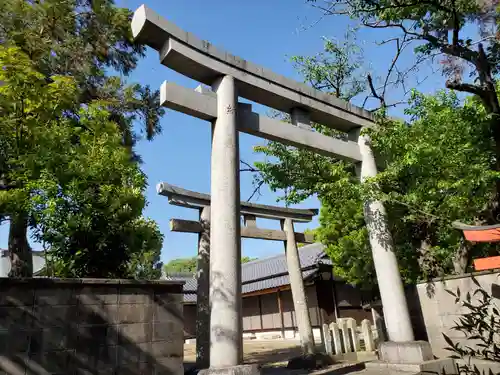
x=287, y=216
x=229, y=77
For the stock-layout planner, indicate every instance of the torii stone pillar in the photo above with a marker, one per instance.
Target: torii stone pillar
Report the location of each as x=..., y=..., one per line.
x=392, y=293
x=226, y=334
x=203, y=292
x=298, y=290
x=402, y=347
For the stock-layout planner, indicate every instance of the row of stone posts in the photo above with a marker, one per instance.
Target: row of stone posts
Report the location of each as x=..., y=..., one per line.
x=342, y=336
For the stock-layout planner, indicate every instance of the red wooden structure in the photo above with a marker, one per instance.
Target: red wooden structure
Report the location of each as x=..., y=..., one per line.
x=486, y=233
x=489, y=263
x=478, y=233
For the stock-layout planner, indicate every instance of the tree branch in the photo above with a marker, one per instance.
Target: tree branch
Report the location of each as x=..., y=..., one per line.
x=249, y=168
x=465, y=87
x=372, y=6
x=449, y=49
x=374, y=92
x=394, y=76
x=258, y=184
x=256, y=190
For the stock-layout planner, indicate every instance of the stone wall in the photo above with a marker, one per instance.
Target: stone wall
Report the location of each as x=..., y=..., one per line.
x=439, y=310
x=87, y=326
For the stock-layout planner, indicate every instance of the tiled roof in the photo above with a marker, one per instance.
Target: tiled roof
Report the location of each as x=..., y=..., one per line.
x=258, y=274
x=189, y=278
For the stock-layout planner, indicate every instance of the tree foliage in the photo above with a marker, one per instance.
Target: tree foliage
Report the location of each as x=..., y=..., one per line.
x=437, y=28
x=73, y=179
x=312, y=232
x=85, y=40
x=81, y=41
x=301, y=173
x=439, y=170
x=438, y=167
x=336, y=69
x=188, y=265
x=462, y=34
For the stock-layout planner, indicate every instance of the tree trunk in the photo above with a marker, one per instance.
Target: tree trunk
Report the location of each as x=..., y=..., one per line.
x=495, y=126
x=486, y=90
x=461, y=258
x=490, y=101
x=21, y=259
x=428, y=264
x=424, y=256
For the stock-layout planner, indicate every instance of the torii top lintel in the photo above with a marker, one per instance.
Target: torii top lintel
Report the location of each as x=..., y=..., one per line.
x=192, y=199
x=200, y=60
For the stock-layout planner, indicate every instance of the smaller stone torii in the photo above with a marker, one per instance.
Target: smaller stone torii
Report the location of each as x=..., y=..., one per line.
x=250, y=212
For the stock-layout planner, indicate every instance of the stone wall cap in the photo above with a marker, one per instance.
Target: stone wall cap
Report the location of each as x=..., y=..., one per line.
x=47, y=281
x=463, y=276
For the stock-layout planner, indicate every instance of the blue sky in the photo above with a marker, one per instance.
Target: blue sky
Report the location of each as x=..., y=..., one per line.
x=266, y=33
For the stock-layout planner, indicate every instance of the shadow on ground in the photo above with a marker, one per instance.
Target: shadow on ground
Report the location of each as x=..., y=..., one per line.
x=273, y=356
x=258, y=352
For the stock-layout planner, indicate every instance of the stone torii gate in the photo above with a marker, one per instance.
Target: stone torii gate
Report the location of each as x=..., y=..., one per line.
x=250, y=212
x=230, y=77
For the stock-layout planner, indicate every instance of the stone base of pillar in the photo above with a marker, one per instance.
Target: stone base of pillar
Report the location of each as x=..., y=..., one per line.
x=413, y=352
x=436, y=366
x=411, y=357
x=233, y=370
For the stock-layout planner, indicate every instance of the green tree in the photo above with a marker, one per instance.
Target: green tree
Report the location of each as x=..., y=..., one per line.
x=30, y=109
x=308, y=231
x=146, y=247
x=181, y=265
x=73, y=179
x=464, y=34
x=337, y=69
x=301, y=173
x=438, y=170
x=84, y=40
x=188, y=265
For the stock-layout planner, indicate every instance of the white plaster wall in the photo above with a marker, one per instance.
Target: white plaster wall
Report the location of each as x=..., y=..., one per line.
x=290, y=334
x=38, y=263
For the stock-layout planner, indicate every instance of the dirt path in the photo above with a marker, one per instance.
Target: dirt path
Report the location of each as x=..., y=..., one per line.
x=271, y=351
x=274, y=355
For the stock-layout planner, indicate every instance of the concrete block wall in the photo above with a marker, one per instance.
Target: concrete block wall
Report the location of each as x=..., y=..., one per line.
x=440, y=311
x=89, y=326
